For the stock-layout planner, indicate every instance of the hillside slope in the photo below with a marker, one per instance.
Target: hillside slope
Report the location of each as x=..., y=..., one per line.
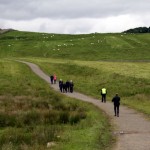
x=80, y=47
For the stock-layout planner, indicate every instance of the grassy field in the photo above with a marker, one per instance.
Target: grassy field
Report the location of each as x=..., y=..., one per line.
x=119, y=62
x=77, y=47
x=32, y=115
x=130, y=79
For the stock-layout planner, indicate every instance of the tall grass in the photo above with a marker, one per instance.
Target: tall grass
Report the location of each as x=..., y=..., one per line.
x=32, y=114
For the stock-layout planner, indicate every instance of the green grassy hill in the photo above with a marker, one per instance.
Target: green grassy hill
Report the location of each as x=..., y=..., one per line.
x=81, y=58
x=90, y=60
x=78, y=47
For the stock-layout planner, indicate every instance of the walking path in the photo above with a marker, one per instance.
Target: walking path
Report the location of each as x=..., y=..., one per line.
x=131, y=128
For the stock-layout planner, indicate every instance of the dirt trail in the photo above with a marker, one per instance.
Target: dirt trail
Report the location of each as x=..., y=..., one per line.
x=131, y=128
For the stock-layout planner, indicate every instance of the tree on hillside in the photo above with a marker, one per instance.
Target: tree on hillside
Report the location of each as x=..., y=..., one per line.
x=138, y=30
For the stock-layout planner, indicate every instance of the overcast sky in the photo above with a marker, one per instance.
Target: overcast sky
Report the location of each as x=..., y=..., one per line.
x=74, y=16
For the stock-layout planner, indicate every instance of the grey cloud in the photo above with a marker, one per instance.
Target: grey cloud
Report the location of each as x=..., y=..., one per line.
x=74, y=16
x=65, y=9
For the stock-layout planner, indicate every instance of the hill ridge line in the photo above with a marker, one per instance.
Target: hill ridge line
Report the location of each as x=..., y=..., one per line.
x=132, y=129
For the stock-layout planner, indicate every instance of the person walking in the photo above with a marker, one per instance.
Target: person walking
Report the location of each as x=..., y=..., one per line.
x=68, y=85
x=103, y=93
x=71, y=86
x=61, y=85
x=116, y=101
x=55, y=78
x=51, y=79
x=64, y=87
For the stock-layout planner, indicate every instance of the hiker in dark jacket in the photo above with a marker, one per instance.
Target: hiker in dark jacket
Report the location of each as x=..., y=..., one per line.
x=51, y=79
x=64, y=87
x=68, y=86
x=71, y=86
x=61, y=85
x=116, y=101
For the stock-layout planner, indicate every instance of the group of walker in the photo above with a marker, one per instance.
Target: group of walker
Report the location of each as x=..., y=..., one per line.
x=63, y=86
x=115, y=100
x=68, y=87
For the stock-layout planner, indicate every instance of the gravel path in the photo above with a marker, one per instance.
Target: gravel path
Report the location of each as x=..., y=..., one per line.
x=131, y=128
